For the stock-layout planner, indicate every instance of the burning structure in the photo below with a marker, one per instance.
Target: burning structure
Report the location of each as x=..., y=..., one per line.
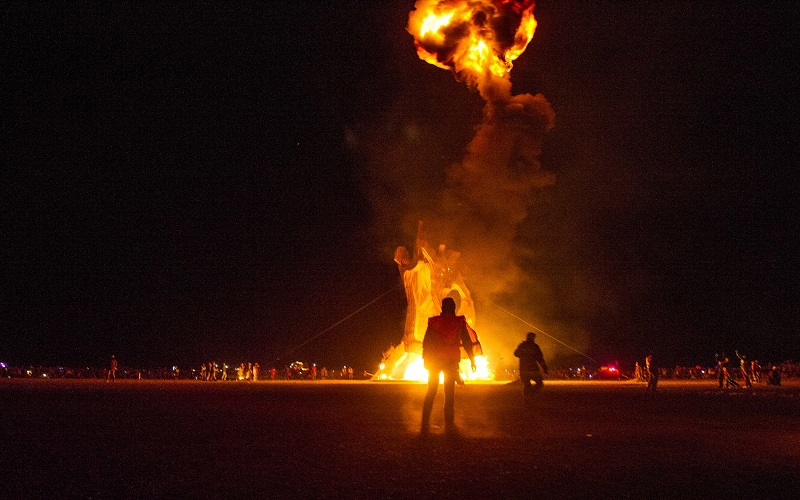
x=488, y=192
x=431, y=276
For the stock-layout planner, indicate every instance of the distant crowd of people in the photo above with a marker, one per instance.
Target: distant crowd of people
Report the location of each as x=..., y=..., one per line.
x=297, y=370
x=209, y=371
x=728, y=373
x=759, y=373
x=212, y=371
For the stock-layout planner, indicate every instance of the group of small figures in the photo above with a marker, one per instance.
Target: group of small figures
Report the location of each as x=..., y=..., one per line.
x=749, y=371
x=212, y=371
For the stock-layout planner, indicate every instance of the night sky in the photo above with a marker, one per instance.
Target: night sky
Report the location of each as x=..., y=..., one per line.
x=220, y=180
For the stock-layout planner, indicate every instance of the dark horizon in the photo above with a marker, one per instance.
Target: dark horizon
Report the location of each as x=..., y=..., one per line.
x=188, y=184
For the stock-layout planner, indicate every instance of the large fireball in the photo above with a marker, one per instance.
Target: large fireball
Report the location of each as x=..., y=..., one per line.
x=476, y=39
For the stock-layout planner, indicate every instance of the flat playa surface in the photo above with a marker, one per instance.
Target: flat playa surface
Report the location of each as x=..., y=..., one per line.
x=157, y=439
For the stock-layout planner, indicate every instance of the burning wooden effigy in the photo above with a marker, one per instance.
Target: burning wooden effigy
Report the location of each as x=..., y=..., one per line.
x=428, y=277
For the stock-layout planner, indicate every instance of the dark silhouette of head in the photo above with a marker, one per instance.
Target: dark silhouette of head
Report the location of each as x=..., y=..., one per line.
x=449, y=306
x=531, y=336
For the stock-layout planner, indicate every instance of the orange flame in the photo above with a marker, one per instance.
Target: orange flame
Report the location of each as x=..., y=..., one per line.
x=415, y=370
x=476, y=39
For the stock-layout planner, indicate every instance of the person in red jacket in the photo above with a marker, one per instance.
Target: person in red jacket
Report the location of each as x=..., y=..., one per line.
x=441, y=351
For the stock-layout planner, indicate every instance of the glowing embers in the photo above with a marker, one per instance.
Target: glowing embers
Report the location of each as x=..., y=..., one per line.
x=473, y=38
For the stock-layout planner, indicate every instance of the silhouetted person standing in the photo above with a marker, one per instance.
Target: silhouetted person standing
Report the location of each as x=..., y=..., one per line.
x=744, y=367
x=441, y=350
x=652, y=373
x=530, y=360
x=722, y=362
x=112, y=369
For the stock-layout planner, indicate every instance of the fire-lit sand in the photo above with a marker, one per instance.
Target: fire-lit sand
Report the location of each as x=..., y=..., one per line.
x=91, y=439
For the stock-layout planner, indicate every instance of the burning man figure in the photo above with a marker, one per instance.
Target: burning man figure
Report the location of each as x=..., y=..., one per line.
x=441, y=351
x=530, y=359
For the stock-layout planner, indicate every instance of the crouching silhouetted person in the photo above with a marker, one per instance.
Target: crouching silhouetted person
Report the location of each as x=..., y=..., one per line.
x=530, y=360
x=441, y=351
x=774, y=376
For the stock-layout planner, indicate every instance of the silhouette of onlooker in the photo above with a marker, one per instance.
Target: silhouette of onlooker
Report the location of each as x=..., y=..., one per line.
x=441, y=352
x=530, y=360
x=112, y=369
x=652, y=372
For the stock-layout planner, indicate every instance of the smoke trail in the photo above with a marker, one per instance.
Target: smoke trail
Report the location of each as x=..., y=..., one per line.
x=485, y=196
x=489, y=190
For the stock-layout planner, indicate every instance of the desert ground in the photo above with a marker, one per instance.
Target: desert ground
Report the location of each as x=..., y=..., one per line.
x=186, y=439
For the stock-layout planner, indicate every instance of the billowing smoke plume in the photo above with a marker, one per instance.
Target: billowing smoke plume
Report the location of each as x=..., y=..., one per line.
x=490, y=189
x=485, y=196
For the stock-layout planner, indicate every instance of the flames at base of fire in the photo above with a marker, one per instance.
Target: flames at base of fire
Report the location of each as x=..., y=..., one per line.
x=428, y=277
x=411, y=367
